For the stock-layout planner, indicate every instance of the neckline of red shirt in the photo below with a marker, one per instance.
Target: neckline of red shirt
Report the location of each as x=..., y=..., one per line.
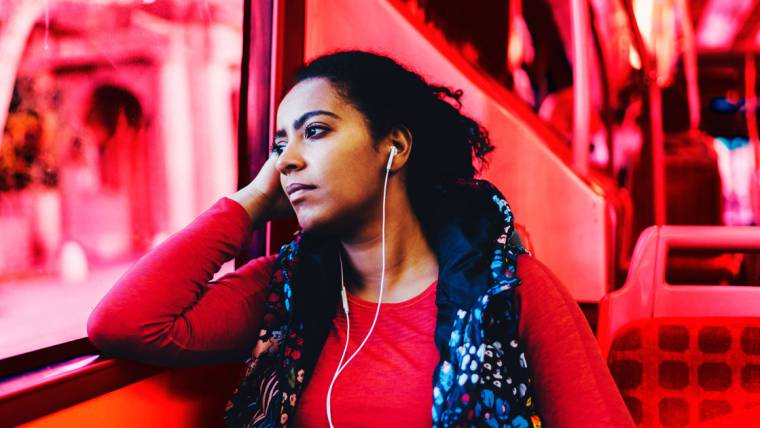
x=362, y=303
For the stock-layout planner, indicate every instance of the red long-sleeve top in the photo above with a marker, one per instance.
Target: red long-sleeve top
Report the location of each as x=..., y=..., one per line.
x=166, y=310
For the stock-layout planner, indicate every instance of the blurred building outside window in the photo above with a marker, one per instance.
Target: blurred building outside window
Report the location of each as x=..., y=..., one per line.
x=120, y=131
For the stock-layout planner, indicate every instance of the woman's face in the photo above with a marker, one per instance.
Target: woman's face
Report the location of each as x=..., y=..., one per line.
x=329, y=166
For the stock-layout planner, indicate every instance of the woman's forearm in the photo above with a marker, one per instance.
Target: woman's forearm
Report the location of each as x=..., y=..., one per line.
x=166, y=311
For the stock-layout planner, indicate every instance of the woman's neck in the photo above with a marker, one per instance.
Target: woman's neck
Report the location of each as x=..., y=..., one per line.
x=410, y=263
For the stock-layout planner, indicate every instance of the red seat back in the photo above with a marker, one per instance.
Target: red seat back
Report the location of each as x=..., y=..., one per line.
x=683, y=354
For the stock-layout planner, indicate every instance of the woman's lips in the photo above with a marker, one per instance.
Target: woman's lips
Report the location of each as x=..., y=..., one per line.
x=296, y=190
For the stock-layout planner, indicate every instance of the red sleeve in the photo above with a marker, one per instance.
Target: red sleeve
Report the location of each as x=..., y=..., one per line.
x=574, y=387
x=166, y=310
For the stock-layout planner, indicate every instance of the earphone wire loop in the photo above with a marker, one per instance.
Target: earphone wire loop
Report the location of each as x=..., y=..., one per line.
x=345, y=348
x=342, y=365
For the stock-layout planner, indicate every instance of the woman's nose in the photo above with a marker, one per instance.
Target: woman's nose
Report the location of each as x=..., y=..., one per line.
x=290, y=159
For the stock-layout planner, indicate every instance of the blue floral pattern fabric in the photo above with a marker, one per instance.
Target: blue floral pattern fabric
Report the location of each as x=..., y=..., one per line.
x=482, y=380
x=485, y=379
x=273, y=376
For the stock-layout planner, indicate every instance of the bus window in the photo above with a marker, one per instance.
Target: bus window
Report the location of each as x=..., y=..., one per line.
x=120, y=130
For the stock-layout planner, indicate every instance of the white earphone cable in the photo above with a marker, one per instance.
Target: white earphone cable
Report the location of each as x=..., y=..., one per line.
x=342, y=365
x=344, y=298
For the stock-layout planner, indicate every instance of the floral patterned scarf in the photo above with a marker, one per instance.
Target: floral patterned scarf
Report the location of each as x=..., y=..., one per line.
x=482, y=378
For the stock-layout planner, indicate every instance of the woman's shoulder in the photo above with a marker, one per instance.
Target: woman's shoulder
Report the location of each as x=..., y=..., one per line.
x=534, y=273
x=542, y=292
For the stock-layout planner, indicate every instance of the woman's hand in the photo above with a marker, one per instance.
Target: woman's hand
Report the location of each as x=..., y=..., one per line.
x=263, y=198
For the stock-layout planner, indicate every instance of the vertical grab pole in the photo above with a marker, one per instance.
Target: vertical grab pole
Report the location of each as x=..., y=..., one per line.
x=274, y=86
x=242, y=124
x=658, y=151
x=604, y=80
x=653, y=100
x=253, y=132
x=581, y=86
x=750, y=111
x=690, y=65
x=658, y=133
x=286, y=56
x=750, y=106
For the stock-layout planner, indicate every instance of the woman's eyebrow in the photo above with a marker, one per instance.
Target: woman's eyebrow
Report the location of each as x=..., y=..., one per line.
x=298, y=123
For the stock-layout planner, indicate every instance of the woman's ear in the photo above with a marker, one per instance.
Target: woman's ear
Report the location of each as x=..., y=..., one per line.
x=401, y=139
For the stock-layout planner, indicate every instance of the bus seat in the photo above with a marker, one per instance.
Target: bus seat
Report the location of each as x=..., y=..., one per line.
x=683, y=354
x=691, y=163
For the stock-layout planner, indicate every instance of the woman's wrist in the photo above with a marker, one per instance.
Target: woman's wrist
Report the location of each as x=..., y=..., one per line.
x=255, y=203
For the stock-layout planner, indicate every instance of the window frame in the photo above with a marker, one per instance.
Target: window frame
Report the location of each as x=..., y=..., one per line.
x=39, y=395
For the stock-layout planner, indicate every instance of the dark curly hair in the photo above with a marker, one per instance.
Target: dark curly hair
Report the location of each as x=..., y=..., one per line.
x=445, y=142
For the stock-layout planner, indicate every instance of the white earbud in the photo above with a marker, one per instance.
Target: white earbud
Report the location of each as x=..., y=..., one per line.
x=390, y=158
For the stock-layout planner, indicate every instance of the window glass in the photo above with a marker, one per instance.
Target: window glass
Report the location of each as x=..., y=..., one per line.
x=120, y=130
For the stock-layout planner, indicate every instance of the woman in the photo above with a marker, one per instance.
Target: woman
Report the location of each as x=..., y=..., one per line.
x=378, y=167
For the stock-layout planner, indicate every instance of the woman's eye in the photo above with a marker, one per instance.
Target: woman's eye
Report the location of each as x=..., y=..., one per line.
x=315, y=131
x=311, y=131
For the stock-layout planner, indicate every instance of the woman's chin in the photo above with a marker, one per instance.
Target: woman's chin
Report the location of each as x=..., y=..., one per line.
x=316, y=225
x=308, y=222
